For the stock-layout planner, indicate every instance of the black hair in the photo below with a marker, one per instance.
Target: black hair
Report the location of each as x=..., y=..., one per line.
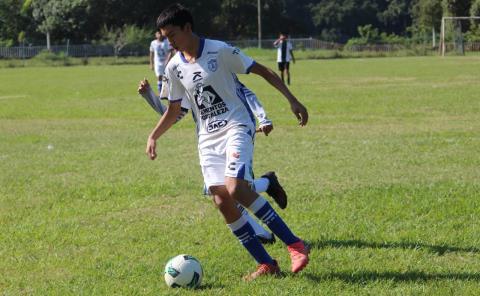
x=175, y=15
x=285, y=33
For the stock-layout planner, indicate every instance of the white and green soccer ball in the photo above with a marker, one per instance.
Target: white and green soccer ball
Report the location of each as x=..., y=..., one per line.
x=183, y=271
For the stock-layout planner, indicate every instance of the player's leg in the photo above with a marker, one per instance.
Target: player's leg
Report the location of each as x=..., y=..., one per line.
x=159, y=72
x=269, y=183
x=159, y=83
x=239, y=152
x=213, y=170
x=280, y=69
x=261, y=233
x=287, y=71
x=244, y=232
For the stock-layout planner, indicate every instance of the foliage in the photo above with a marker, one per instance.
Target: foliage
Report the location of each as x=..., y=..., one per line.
x=127, y=35
x=49, y=58
x=427, y=14
x=330, y=20
x=474, y=33
x=370, y=35
x=62, y=17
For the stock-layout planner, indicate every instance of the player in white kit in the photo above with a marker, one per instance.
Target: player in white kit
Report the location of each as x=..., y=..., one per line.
x=160, y=50
x=204, y=72
x=267, y=183
x=284, y=55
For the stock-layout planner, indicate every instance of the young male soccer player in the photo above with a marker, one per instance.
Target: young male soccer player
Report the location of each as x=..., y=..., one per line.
x=159, y=55
x=267, y=183
x=284, y=55
x=204, y=72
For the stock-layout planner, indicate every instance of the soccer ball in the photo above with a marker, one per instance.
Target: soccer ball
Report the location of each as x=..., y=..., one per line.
x=183, y=271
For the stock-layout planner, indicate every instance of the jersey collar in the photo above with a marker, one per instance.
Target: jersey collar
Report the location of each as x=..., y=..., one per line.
x=201, y=45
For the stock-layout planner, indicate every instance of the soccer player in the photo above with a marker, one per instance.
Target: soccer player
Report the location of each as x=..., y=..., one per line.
x=284, y=55
x=204, y=72
x=267, y=183
x=159, y=55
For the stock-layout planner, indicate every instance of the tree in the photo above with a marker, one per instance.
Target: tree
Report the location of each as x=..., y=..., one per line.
x=62, y=16
x=427, y=16
x=396, y=16
x=14, y=22
x=474, y=33
x=338, y=20
x=126, y=35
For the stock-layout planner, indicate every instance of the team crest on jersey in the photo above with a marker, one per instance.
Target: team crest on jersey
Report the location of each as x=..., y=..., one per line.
x=177, y=72
x=212, y=65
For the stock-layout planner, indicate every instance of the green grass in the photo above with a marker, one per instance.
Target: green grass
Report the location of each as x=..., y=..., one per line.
x=384, y=182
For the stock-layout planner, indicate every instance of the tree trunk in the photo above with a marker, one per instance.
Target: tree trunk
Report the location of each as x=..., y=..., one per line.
x=48, y=40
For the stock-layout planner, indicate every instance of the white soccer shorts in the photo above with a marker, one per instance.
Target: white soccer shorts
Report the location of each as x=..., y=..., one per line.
x=229, y=154
x=159, y=70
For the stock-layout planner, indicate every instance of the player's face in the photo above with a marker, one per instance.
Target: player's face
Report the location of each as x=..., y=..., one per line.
x=178, y=37
x=158, y=35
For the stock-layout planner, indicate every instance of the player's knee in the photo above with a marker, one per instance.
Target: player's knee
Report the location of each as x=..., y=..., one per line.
x=235, y=189
x=222, y=203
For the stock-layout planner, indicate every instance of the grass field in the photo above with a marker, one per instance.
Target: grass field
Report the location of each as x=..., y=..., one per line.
x=384, y=183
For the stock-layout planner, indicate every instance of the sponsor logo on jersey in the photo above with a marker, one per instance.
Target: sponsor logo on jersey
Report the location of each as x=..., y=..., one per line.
x=212, y=65
x=236, y=155
x=216, y=125
x=236, y=51
x=209, y=103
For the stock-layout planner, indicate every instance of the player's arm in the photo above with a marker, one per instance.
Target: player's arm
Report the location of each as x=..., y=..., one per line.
x=293, y=57
x=147, y=93
x=165, y=122
x=175, y=96
x=271, y=77
x=265, y=124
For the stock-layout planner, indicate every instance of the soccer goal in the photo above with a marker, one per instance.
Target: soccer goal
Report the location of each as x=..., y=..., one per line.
x=452, y=33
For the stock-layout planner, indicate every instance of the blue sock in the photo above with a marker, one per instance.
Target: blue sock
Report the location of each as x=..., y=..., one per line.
x=264, y=211
x=245, y=234
x=159, y=85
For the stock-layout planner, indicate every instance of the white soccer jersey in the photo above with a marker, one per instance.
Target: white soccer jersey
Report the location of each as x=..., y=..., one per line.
x=160, y=50
x=212, y=88
x=283, y=51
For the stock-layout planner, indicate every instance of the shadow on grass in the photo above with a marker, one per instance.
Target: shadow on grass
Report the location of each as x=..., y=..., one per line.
x=409, y=276
x=210, y=286
x=436, y=249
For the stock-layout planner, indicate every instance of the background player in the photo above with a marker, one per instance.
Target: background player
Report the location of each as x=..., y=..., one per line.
x=284, y=55
x=160, y=51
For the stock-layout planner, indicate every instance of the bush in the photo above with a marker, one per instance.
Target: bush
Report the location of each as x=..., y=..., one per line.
x=371, y=36
x=129, y=38
x=50, y=58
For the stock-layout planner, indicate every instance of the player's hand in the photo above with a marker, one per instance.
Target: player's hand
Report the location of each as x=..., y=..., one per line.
x=143, y=86
x=300, y=112
x=151, y=148
x=266, y=129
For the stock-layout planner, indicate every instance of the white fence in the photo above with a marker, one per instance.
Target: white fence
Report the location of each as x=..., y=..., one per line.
x=89, y=50
x=84, y=50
